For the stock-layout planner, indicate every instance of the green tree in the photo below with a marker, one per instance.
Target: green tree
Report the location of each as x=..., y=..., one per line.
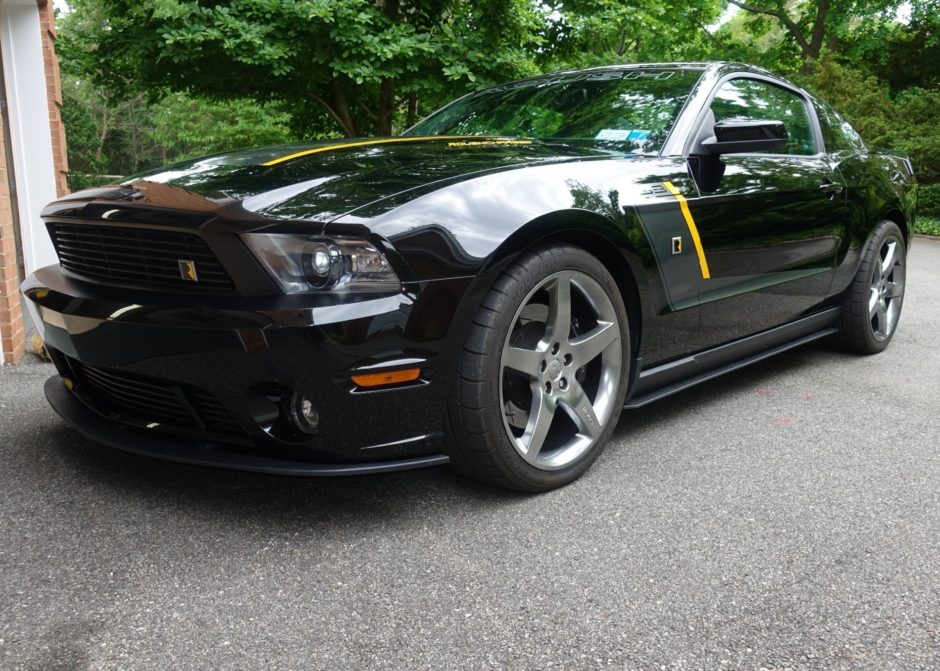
x=183, y=126
x=141, y=128
x=355, y=62
x=815, y=26
x=904, y=54
x=583, y=33
x=119, y=137
x=81, y=115
x=906, y=123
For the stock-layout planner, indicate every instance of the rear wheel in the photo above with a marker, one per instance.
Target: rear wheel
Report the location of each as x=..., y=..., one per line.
x=543, y=373
x=872, y=305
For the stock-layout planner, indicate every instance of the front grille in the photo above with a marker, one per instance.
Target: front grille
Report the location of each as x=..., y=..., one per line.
x=146, y=400
x=139, y=257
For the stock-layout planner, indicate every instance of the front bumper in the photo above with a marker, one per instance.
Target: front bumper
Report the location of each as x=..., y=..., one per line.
x=235, y=351
x=205, y=453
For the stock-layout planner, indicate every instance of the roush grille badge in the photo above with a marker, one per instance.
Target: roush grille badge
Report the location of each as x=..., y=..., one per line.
x=188, y=270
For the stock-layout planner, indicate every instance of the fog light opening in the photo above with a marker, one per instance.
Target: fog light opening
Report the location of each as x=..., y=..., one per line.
x=303, y=414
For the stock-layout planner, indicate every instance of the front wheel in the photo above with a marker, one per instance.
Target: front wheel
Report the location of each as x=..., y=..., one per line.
x=543, y=373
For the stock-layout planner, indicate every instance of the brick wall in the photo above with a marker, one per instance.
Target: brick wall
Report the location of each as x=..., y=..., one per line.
x=54, y=94
x=12, y=337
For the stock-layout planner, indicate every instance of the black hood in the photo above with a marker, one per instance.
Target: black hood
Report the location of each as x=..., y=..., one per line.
x=325, y=180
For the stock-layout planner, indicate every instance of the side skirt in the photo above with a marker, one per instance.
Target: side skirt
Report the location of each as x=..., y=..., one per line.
x=669, y=378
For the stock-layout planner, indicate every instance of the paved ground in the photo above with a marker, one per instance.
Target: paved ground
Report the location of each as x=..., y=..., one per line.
x=787, y=516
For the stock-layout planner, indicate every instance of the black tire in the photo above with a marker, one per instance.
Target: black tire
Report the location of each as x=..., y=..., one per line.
x=489, y=415
x=871, y=308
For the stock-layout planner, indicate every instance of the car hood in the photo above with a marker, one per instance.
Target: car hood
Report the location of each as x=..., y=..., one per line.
x=323, y=181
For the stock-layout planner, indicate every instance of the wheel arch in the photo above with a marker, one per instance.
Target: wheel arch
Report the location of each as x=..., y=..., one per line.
x=894, y=213
x=609, y=241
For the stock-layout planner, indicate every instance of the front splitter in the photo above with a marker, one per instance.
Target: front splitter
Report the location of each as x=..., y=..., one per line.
x=202, y=453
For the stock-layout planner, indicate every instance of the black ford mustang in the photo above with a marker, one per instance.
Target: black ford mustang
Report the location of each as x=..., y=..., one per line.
x=489, y=289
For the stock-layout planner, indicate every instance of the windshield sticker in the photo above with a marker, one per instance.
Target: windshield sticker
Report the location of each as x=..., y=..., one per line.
x=639, y=135
x=614, y=135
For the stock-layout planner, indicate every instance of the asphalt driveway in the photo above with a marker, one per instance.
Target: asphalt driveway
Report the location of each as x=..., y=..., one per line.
x=786, y=516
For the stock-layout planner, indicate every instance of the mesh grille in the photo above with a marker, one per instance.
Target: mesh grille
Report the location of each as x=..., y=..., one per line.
x=137, y=256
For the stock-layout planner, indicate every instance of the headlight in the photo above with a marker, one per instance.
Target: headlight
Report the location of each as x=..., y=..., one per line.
x=302, y=263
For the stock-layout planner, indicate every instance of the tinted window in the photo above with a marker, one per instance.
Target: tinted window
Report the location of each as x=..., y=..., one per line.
x=628, y=110
x=837, y=133
x=754, y=99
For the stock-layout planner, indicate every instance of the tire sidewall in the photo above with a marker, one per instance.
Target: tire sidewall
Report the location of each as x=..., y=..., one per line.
x=857, y=326
x=534, y=269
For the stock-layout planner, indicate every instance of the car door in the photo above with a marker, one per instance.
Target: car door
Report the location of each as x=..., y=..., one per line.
x=770, y=224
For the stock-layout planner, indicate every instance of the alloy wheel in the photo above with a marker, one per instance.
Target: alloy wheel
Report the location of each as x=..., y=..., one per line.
x=560, y=370
x=887, y=288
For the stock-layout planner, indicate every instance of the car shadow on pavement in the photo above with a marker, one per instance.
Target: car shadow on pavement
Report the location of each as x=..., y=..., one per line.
x=359, y=500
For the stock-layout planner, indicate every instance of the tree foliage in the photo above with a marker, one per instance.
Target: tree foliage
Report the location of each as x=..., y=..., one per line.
x=814, y=26
x=354, y=61
x=584, y=33
x=112, y=136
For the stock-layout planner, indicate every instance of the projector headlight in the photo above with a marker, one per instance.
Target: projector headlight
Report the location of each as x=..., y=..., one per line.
x=302, y=263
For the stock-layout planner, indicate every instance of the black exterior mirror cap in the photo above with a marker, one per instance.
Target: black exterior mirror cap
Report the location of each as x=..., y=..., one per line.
x=745, y=136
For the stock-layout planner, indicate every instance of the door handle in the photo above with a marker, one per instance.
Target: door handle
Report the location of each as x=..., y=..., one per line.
x=830, y=188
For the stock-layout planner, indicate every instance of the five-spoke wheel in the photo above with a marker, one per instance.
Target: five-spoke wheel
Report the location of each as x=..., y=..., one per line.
x=543, y=372
x=872, y=305
x=573, y=367
x=887, y=288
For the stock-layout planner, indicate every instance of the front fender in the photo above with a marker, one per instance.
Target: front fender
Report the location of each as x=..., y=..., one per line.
x=476, y=228
x=607, y=240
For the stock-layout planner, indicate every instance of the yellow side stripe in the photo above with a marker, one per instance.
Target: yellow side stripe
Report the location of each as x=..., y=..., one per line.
x=387, y=140
x=693, y=230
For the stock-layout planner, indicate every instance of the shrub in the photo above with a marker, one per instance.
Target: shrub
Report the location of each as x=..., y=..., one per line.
x=928, y=200
x=927, y=226
x=906, y=124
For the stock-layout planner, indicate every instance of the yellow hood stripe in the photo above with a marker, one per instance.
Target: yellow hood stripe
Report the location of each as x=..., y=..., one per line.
x=387, y=140
x=693, y=229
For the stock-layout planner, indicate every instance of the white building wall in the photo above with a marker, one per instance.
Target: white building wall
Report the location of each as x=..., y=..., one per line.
x=33, y=166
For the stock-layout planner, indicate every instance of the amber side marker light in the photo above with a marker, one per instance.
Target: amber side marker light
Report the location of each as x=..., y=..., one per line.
x=391, y=377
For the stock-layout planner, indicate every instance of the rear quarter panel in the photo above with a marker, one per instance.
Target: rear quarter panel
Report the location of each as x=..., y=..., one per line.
x=878, y=186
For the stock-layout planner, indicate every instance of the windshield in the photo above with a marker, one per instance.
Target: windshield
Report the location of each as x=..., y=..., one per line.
x=628, y=110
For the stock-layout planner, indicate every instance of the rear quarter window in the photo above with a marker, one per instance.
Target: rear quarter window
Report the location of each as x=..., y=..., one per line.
x=838, y=134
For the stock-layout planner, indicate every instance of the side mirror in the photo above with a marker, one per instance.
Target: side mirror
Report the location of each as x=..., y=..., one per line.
x=745, y=136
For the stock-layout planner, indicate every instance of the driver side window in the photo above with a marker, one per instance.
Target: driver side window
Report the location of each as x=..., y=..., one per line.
x=755, y=99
